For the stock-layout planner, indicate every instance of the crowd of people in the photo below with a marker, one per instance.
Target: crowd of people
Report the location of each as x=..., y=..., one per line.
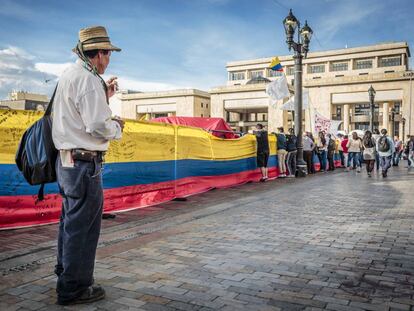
x=375, y=149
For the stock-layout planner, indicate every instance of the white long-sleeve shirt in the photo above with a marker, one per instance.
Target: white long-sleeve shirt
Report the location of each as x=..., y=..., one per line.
x=81, y=115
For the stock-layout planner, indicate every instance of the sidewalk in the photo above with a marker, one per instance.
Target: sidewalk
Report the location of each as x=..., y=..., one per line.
x=334, y=241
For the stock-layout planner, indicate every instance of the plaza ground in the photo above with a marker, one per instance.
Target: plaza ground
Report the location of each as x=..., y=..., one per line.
x=333, y=241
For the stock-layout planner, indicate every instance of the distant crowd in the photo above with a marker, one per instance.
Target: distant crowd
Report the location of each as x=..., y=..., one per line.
x=376, y=150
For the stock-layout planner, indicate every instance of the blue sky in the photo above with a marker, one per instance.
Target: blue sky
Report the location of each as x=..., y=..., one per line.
x=181, y=43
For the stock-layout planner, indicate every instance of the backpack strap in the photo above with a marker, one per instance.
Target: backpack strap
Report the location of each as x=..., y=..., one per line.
x=49, y=107
x=41, y=193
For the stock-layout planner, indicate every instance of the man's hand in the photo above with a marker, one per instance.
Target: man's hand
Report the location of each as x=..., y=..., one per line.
x=112, y=86
x=120, y=122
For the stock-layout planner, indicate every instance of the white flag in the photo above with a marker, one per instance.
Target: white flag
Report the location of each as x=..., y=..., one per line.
x=290, y=104
x=278, y=89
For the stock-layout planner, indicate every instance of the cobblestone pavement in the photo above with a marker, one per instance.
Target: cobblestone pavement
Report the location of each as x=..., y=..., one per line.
x=348, y=245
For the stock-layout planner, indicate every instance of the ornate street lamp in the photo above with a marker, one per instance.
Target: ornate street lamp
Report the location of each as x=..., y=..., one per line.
x=301, y=48
x=371, y=94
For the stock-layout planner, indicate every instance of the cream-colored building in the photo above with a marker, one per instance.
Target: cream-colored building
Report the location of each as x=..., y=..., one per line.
x=19, y=100
x=185, y=102
x=338, y=82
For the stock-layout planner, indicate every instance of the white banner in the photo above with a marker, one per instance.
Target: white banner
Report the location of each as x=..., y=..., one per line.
x=321, y=123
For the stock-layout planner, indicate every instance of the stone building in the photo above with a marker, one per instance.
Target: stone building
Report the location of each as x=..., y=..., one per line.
x=185, y=102
x=19, y=100
x=338, y=82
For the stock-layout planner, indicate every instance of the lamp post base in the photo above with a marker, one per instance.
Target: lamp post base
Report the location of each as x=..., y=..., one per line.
x=302, y=170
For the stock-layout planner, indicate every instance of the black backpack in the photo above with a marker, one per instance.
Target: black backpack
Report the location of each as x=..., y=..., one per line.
x=383, y=144
x=36, y=154
x=331, y=144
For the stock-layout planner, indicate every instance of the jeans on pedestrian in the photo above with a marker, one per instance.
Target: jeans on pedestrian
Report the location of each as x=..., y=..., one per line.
x=396, y=158
x=354, y=157
x=307, y=156
x=385, y=163
x=342, y=157
x=369, y=165
x=331, y=163
x=410, y=159
x=79, y=227
x=322, y=159
x=377, y=161
x=291, y=162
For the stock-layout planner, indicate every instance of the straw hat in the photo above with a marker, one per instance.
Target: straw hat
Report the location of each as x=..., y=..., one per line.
x=95, y=38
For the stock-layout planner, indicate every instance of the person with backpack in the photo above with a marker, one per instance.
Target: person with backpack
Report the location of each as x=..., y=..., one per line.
x=291, y=145
x=368, y=142
x=82, y=129
x=331, y=152
x=385, y=147
x=281, y=151
x=262, y=150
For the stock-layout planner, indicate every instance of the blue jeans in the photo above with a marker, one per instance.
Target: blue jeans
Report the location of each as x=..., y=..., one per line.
x=322, y=159
x=79, y=227
x=385, y=163
x=396, y=158
x=377, y=162
x=355, y=158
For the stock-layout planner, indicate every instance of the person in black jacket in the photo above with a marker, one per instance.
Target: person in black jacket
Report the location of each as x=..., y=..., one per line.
x=291, y=145
x=262, y=150
x=331, y=152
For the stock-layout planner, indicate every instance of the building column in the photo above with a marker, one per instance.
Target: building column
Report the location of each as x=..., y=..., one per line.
x=385, y=117
x=346, y=118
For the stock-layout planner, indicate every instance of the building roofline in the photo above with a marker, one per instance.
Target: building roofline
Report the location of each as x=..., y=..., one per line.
x=327, y=53
x=170, y=93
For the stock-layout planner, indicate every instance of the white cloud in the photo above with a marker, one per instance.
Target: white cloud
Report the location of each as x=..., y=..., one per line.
x=127, y=83
x=346, y=14
x=18, y=72
x=52, y=68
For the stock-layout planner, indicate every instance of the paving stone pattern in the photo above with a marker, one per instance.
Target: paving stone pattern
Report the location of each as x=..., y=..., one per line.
x=333, y=241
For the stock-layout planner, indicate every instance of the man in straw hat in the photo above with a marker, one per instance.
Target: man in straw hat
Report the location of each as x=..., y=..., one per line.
x=82, y=129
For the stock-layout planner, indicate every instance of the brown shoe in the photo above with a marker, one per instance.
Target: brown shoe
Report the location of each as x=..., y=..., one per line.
x=90, y=294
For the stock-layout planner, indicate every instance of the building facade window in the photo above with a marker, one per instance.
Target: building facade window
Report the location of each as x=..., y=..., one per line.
x=202, y=105
x=317, y=68
x=274, y=73
x=365, y=109
x=389, y=61
x=235, y=76
x=339, y=66
x=256, y=74
x=290, y=71
x=363, y=63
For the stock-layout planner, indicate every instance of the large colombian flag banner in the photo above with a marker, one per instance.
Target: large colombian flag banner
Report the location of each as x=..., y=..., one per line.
x=153, y=163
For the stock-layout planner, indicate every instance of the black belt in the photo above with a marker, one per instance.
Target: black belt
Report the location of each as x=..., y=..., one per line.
x=87, y=155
